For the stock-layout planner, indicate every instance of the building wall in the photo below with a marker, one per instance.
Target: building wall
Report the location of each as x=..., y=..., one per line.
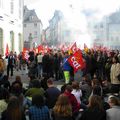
x=114, y=36
x=36, y=31
x=47, y=35
x=11, y=22
x=109, y=34
x=32, y=28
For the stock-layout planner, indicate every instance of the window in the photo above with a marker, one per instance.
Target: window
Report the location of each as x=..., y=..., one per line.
x=20, y=7
x=101, y=25
x=12, y=6
x=117, y=38
x=31, y=17
x=25, y=25
x=35, y=33
x=95, y=27
x=35, y=24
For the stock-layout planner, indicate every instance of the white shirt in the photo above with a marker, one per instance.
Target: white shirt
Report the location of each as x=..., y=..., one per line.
x=39, y=58
x=113, y=113
x=77, y=94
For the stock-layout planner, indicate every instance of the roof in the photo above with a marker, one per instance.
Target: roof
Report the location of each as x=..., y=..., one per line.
x=30, y=15
x=115, y=17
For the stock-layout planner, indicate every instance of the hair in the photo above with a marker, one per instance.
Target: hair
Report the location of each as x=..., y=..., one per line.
x=1, y=66
x=63, y=87
x=75, y=85
x=95, y=82
x=16, y=88
x=14, y=110
x=62, y=106
x=69, y=88
x=38, y=100
x=97, y=90
x=36, y=83
x=95, y=101
x=114, y=100
x=18, y=78
x=116, y=58
x=50, y=81
x=4, y=94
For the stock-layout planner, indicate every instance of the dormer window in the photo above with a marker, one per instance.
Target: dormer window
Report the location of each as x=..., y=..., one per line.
x=31, y=17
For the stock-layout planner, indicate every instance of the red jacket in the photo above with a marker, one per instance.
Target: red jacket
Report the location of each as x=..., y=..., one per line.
x=73, y=101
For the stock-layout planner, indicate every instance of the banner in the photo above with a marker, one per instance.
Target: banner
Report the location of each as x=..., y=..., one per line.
x=40, y=48
x=76, y=61
x=25, y=53
x=7, y=50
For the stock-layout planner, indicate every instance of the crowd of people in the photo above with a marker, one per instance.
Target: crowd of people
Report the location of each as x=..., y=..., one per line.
x=82, y=99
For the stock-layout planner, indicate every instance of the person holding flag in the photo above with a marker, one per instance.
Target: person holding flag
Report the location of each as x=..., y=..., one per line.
x=66, y=68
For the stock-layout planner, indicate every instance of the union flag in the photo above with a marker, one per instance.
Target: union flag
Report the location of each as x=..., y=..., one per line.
x=76, y=61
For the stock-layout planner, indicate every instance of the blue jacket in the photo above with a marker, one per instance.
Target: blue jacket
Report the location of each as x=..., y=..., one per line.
x=66, y=65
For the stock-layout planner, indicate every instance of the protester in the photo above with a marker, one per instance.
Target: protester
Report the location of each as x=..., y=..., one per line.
x=51, y=94
x=73, y=101
x=11, y=63
x=114, y=112
x=14, y=111
x=38, y=110
x=95, y=110
x=115, y=71
x=62, y=109
x=36, y=89
x=66, y=68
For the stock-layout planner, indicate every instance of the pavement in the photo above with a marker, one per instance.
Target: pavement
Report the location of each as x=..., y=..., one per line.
x=25, y=79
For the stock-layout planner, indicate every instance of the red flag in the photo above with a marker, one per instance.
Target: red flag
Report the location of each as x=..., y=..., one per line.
x=76, y=60
x=74, y=48
x=7, y=50
x=40, y=48
x=25, y=54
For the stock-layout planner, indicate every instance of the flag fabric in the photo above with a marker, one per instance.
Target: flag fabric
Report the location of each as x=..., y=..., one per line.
x=25, y=54
x=76, y=61
x=73, y=49
x=7, y=50
x=86, y=48
x=40, y=48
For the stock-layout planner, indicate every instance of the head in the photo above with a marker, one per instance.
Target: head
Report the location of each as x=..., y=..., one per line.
x=14, y=109
x=95, y=101
x=4, y=94
x=75, y=85
x=11, y=53
x=97, y=91
x=50, y=82
x=36, y=84
x=16, y=89
x=38, y=100
x=68, y=88
x=113, y=101
x=18, y=78
x=66, y=54
x=95, y=82
x=115, y=59
x=62, y=106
